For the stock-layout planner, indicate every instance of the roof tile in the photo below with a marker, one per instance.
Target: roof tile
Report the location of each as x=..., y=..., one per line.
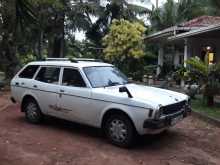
x=202, y=21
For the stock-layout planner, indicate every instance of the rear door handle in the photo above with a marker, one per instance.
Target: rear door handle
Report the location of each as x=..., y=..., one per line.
x=35, y=86
x=17, y=83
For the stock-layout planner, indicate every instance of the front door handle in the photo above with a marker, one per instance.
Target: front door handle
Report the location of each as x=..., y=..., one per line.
x=61, y=92
x=17, y=83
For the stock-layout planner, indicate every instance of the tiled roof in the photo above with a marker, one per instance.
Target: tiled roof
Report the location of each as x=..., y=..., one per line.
x=202, y=21
x=194, y=24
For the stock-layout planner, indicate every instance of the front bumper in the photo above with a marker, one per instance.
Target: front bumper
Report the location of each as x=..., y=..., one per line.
x=166, y=121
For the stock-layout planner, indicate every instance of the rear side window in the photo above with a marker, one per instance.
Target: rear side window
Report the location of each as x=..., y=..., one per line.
x=48, y=75
x=29, y=71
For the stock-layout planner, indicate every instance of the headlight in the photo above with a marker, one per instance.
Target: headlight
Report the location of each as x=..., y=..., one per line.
x=159, y=113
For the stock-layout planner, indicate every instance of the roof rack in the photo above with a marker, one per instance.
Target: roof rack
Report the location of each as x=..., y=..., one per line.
x=74, y=59
x=57, y=59
x=88, y=59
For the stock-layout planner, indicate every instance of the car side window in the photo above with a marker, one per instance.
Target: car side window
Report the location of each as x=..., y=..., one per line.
x=72, y=77
x=28, y=72
x=48, y=75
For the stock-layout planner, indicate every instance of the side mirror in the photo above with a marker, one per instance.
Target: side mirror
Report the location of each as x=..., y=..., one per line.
x=125, y=89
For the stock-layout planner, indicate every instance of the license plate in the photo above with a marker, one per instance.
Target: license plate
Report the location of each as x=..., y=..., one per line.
x=176, y=119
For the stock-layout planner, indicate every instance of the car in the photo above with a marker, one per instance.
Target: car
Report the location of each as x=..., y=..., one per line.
x=97, y=94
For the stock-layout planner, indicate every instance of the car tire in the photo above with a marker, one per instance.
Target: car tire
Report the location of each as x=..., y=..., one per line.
x=32, y=111
x=120, y=131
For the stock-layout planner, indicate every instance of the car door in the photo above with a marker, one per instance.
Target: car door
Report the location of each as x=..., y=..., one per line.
x=45, y=87
x=74, y=96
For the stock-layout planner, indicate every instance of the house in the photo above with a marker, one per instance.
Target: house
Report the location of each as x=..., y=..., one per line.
x=193, y=38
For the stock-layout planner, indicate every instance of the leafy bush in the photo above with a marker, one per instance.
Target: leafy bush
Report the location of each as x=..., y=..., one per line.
x=207, y=76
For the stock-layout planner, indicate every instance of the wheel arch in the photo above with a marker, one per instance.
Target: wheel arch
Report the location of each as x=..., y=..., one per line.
x=113, y=111
x=25, y=98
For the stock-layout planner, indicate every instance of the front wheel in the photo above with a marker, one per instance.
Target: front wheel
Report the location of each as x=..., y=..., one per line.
x=32, y=111
x=120, y=130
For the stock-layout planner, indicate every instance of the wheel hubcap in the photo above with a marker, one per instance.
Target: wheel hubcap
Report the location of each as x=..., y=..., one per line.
x=32, y=111
x=118, y=130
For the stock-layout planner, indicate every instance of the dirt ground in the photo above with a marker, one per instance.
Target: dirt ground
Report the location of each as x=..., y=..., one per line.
x=4, y=100
x=58, y=142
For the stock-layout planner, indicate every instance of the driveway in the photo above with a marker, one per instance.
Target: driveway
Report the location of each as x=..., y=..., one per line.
x=57, y=142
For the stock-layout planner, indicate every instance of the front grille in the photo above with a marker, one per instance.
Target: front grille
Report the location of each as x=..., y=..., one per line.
x=173, y=108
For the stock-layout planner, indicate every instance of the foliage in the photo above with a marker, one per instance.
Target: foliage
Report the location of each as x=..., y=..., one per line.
x=214, y=7
x=115, y=9
x=37, y=28
x=124, y=40
x=207, y=76
x=27, y=58
x=14, y=15
x=204, y=71
x=173, y=13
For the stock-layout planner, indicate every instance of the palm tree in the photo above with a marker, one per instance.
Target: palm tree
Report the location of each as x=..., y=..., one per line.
x=172, y=13
x=115, y=9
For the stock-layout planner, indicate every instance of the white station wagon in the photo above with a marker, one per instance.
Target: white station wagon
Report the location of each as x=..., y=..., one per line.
x=97, y=94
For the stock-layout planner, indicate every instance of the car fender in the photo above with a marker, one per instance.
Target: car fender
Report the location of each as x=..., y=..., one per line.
x=117, y=107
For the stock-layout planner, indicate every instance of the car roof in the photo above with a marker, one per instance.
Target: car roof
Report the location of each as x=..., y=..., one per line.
x=79, y=64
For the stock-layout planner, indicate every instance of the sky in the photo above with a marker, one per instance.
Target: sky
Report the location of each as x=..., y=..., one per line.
x=81, y=35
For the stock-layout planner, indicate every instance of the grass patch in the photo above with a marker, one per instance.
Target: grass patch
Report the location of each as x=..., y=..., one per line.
x=199, y=106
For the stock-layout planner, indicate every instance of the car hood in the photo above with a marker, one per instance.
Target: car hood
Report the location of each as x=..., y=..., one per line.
x=151, y=97
x=156, y=95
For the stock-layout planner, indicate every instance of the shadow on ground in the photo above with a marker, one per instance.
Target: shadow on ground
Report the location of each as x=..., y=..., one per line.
x=148, y=141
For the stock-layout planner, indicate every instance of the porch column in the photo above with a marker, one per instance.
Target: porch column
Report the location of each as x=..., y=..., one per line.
x=185, y=58
x=176, y=59
x=185, y=51
x=160, y=58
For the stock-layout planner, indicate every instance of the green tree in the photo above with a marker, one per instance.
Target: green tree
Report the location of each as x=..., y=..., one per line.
x=124, y=42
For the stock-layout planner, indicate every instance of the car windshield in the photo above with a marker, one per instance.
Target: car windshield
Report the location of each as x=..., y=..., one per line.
x=105, y=76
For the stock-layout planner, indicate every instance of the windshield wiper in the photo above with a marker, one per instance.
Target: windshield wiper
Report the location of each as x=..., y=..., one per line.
x=112, y=84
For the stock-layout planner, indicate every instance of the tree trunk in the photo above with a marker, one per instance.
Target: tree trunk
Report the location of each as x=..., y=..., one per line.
x=157, y=4
x=9, y=52
x=50, y=46
x=40, y=45
x=58, y=43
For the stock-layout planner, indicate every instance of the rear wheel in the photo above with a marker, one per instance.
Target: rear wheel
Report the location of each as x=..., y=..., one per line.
x=120, y=130
x=32, y=111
